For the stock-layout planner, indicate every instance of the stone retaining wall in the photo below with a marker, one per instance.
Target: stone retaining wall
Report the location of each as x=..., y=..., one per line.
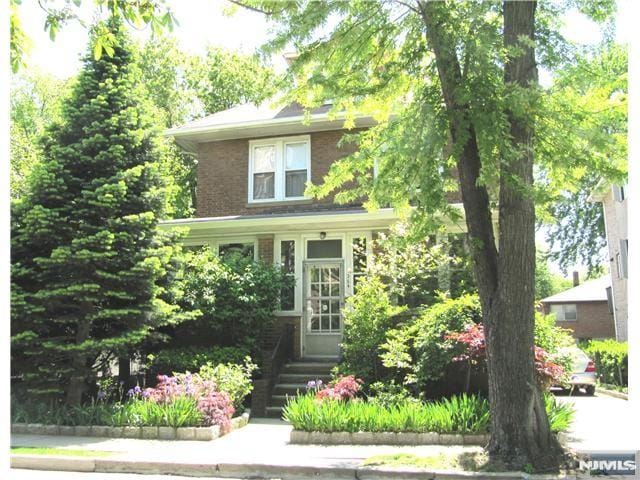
x=386, y=438
x=147, y=433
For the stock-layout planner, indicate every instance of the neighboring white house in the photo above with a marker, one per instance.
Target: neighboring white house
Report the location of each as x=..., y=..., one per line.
x=614, y=201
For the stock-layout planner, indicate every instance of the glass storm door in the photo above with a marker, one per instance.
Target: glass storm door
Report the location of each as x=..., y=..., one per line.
x=324, y=299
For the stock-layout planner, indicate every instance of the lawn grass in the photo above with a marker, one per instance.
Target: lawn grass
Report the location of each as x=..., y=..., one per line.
x=466, y=461
x=62, y=452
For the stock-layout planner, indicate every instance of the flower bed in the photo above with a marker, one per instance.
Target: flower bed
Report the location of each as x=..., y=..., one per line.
x=336, y=415
x=185, y=406
x=145, y=432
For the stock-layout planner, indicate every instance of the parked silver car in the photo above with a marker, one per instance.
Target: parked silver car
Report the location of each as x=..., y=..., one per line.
x=584, y=370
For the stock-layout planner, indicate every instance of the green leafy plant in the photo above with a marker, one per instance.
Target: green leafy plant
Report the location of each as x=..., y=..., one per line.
x=611, y=359
x=560, y=414
x=233, y=379
x=190, y=359
x=236, y=296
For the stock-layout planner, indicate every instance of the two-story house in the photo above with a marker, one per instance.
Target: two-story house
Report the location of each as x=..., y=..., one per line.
x=253, y=165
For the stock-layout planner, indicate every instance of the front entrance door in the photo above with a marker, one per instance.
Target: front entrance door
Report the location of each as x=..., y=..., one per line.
x=323, y=302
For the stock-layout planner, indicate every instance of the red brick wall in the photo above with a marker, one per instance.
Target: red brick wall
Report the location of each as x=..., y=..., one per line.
x=594, y=320
x=223, y=176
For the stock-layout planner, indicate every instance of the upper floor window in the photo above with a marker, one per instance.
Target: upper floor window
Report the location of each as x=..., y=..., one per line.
x=279, y=168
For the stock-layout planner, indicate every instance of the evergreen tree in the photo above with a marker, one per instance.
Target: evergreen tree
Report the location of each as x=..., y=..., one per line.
x=91, y=272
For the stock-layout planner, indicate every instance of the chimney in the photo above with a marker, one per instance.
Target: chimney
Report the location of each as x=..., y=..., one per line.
x=576, y=279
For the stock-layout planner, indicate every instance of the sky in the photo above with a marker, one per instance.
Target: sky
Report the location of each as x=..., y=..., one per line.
x=203, y=22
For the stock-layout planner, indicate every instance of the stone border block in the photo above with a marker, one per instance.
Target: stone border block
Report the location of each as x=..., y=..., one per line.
x=99, y=430
x=67, y=430
x=475, y=439
x=83, y=431
x=186, y=433
x=19, y=428
x=451, y=439
x=149, y=433
x=132, y=432
x=166, y=433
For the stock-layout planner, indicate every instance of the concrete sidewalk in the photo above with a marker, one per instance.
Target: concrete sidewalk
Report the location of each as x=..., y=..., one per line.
x=262, y=441
x=259, y=450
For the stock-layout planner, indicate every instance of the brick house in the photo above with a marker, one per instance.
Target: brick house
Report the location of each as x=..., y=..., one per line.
x=584, y=309
x=253, y=165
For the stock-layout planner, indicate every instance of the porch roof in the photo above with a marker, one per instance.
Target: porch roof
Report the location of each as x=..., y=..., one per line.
x=353, y=219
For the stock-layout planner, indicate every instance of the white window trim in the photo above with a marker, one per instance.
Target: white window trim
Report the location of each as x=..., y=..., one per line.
x=280, y=172
x=297, y=301
x=349, y=258
x=223, y=241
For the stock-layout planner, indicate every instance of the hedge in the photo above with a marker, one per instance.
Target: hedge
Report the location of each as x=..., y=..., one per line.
x=611, y=359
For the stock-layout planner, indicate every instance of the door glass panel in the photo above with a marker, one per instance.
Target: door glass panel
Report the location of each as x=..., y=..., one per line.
x=324, y=306
x=335, y=306
x=315, y=323
x=324, y=249
x=324, y=298
x=335, y=275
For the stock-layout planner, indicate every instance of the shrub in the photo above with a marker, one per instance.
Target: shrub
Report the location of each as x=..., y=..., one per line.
x=216, y=409
x=548, y=372
x=190, y=359
x=367, y=318
x=422, y=347
x=232, y=379
x=236, y=296
x=343, y=388
x=450, y=331
x=611, y=359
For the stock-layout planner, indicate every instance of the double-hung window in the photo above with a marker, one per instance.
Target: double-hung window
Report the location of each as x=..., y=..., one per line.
x=279, y=169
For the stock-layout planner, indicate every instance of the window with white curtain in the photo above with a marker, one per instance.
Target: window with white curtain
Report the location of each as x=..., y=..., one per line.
x=279, y=168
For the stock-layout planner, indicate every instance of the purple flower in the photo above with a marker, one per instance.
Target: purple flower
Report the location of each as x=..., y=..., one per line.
x=130, y=393
x=102, y=394
x=311, y=384
x=137, y=390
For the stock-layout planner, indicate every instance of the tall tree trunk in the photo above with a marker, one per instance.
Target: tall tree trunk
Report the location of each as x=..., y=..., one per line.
x=520, y=432
x=77, y=383
x=519, y=424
